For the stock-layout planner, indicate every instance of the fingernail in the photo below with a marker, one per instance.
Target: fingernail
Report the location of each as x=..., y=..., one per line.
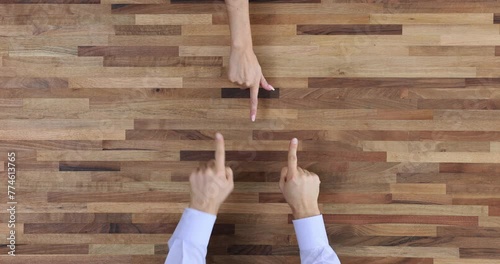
x=253, y=118
x=272, y=88
x=295, y=141
x=218, y=135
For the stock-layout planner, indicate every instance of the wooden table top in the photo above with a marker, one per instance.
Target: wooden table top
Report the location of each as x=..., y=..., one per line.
x=109, y=105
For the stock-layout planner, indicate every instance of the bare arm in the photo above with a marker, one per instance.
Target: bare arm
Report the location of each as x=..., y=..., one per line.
x=239, y=24
x=244, y=68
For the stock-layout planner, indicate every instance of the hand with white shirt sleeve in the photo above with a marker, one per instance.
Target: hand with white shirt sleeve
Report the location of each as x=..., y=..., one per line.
x=210, y=184
x=301, y=190
x=300, y=187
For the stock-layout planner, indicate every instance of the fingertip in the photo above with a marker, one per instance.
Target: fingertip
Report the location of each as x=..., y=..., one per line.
x=268, y=88
x=218, y=136
x=295, y=141
x=253, y=112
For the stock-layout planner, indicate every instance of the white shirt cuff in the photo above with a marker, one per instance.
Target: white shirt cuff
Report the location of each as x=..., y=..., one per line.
x=311, y=232
x=195, y=227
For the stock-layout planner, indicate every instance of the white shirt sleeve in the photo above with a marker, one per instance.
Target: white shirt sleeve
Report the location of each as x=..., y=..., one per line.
x=188, y=244
x=313, y=241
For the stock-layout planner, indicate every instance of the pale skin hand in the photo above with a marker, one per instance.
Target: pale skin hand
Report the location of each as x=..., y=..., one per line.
x=244, y=68
x=300, y=187
x=212, y=183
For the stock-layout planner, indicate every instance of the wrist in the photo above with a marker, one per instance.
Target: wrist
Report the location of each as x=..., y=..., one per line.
x=242, y=45
x=207, y=208
x=306, y=212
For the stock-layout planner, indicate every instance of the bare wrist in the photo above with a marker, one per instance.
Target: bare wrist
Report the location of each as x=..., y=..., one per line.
x=210, y=209
x=304, y=213
x=242, y=46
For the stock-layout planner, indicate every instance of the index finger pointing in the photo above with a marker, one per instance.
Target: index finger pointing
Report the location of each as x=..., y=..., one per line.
x=220, y=153
x=292, y=154
x=254, y=101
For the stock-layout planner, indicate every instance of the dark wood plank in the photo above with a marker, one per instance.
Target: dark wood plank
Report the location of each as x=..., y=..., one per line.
x=341, y=198
x=165, y=51
x=33, y=249
x=245, y=93
x=477, y=201
x=250, y=249
x=447, y=178
x=88, y=166
x=190, y=8
x=282, y=156
x=78, y=259
x=98, y=228
x=149, y=61
x=454, y=231
x=349, y=29
x=482, y=82
x=385, y=260
x=386, y=83
x=137, y=134
x=494, y=210
x=480, y=253
x=251, y=1
x=164, y=30
x=33, y=83
x=51, y=2
x=141, y=259
x=454, y=135
x=320, y=135
x=114, y=228
x=468, y=104
x=88, y=197
x=399, y=219
x=469, y=168
x=71, y=217
x=130, y=197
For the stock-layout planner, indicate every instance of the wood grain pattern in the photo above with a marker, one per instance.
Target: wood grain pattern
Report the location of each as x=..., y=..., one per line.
x=109, y=105
x=349, y=30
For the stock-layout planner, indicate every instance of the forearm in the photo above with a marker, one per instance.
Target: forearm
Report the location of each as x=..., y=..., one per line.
x=239, y=23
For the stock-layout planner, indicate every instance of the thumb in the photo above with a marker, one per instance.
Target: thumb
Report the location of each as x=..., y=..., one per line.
x=229, y=174
x=284, y=172
x=264, y=84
